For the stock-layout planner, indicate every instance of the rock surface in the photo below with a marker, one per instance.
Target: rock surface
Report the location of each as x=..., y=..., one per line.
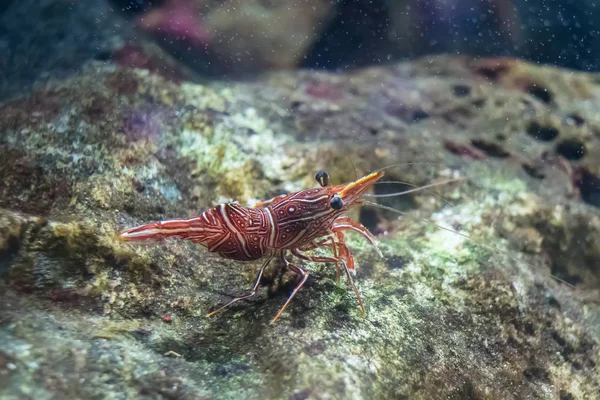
x=83, y=315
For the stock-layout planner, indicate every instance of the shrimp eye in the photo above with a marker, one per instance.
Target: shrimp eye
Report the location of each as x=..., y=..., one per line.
x=322, y=178
x=336, y=202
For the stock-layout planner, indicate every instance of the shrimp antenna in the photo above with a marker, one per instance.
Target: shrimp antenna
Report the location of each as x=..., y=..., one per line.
x=409, y=163
x=416, y=189
x=484, y=245
x=353, y=167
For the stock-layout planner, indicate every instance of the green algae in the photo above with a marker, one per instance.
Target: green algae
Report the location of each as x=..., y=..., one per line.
x=83, y=314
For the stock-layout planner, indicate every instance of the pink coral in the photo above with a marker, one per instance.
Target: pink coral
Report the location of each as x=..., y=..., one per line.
x=178, y=20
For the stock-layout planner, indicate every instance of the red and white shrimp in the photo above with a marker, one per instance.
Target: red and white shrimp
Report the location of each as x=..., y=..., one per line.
x=294, y=223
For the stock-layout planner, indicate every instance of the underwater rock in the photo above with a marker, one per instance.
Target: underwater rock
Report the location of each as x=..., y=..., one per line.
x=84, y=315
x=237, y=36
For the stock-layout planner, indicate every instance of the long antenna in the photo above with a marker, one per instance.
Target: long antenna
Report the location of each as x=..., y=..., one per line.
x=416, y=189
x=353, y=167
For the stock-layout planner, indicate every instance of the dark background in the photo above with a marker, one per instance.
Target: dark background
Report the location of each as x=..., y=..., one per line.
x=40, y=39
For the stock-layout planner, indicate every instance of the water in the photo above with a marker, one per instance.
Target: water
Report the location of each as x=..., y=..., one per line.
x=116, y=114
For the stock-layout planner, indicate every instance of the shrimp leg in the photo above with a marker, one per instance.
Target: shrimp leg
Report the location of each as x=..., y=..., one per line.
x=300, y=271
x=249, y=294
x=345, y=223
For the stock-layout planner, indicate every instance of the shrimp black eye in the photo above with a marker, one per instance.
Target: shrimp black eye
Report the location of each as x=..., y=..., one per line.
x=336, y=202
x=322, y=178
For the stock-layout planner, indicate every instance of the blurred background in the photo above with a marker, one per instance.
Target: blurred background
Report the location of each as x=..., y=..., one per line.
x=39, y=38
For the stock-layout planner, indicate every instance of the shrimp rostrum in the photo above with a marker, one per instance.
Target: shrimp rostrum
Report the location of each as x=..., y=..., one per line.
x=293, y=223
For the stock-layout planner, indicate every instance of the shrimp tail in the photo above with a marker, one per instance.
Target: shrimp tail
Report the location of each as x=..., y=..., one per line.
x=157, y=231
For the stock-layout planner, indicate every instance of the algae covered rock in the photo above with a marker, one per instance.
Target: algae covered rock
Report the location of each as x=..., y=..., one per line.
x=512, y=313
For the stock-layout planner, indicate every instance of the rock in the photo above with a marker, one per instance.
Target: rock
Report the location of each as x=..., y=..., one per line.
x=237, y=36
x=82, y=314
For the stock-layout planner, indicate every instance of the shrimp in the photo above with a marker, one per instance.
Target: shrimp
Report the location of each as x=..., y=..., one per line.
x=292, y=223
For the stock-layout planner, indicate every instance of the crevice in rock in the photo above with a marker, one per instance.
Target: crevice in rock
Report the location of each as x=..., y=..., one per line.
x=588, y=185
x=491, y=149
x=461, y=90
x=533, y=171
x=576, y=119
x=543, y=133
x=368, y=217
x=571, y=149
x=540, y=93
